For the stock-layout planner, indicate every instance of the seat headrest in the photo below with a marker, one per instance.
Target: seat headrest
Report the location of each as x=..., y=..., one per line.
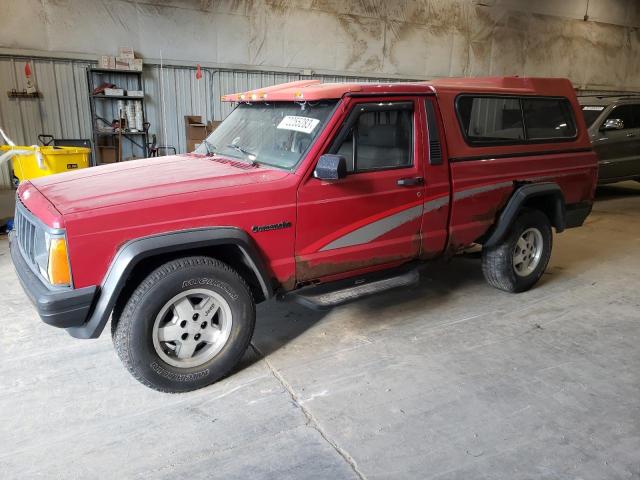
x=380, y=136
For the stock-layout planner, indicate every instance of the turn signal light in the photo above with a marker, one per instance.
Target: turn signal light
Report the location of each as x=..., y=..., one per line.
x=58, y=269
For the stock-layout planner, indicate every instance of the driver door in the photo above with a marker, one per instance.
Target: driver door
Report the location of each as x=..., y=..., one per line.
x=370, y=219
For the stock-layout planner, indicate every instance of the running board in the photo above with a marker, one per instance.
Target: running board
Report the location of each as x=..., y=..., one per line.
x=329, y=295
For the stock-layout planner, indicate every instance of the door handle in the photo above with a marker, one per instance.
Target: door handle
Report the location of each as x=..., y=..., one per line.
x=410, y=182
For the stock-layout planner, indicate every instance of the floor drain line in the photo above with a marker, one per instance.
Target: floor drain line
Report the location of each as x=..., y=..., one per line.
x=311, y=420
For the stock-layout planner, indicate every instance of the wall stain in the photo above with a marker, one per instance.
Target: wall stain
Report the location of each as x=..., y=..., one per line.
x=361, y=32
x=408, y=38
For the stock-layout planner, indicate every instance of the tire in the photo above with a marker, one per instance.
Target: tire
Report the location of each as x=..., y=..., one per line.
x=154, y=336
x=506, y=267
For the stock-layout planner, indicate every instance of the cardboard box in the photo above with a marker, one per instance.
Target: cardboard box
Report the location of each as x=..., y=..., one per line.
x=126, y=52
x=192, y=145
x=194, y=127
x=107, y=62
x=135, y=64
x=107, y=154
x=113, y=92
x=122, y=63
x=135, y=93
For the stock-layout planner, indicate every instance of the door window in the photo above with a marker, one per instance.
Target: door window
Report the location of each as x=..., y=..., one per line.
x=636, y=115
x=379, y=140
x=626, y=114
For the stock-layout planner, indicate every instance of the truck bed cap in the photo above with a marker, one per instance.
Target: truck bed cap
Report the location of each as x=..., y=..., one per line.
x=313, y=90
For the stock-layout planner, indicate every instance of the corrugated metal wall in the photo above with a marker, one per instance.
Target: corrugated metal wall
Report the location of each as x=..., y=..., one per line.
x=63, y=110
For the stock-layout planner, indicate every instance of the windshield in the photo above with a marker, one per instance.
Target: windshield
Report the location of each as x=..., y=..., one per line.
x=591, y=113
x=276, y=134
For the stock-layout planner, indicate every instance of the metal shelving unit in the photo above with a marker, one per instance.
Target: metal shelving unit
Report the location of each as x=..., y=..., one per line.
x=139, y=140
x=118, y=97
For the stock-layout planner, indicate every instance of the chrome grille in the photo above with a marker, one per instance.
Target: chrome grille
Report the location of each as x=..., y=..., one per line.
x=30, y=235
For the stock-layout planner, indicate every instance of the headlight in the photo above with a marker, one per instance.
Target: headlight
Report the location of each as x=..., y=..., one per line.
x=52, y=259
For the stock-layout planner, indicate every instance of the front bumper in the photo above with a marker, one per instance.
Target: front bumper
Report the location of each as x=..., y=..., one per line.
x=60, y=308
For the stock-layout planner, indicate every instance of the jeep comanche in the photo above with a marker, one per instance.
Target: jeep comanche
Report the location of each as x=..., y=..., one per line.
x=307, y=191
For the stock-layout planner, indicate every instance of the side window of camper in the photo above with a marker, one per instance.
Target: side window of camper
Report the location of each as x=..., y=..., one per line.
x=509, y=120
x=548, y=118
x=491, y=119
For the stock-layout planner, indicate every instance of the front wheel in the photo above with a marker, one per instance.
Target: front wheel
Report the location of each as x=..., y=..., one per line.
x=518, y=262
x=186, y=325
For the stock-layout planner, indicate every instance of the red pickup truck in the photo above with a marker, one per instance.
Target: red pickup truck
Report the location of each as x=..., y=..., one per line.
x=314, y=192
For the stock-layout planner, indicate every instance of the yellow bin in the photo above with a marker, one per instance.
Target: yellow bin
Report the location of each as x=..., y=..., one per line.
x=53, y=160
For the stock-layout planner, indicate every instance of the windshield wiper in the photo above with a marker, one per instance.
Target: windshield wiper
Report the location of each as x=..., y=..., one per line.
x=209, y=146
x=250, y=156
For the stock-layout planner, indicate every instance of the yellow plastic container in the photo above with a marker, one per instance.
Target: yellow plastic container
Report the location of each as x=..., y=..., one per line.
x=54, y=160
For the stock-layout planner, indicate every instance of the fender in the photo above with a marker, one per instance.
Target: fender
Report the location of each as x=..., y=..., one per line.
x=132, y=252
x=521, y=195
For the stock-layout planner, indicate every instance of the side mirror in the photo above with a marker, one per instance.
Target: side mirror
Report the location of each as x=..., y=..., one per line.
x=331, y=167
x=613, y=124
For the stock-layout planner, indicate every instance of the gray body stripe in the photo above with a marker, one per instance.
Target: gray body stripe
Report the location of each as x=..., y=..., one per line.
x=374, y=230
x=432, y=205
x=377, y=229
x=380, y=227
x=470, y=192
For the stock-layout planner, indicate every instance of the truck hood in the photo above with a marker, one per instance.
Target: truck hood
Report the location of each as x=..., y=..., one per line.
x=140, y=180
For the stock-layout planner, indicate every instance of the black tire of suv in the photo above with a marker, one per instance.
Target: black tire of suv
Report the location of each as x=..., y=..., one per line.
x=132, y=335
x=497, y=261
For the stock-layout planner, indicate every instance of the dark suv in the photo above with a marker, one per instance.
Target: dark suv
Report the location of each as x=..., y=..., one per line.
x=614, y=129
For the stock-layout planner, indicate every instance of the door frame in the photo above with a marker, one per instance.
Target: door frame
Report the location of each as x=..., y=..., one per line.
x=349, y=115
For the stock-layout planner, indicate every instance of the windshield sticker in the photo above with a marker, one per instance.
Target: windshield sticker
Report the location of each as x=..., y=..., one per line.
x=594, y=108
x=298, y=124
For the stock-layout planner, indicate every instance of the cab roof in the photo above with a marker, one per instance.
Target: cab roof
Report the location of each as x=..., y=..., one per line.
x=314, y=90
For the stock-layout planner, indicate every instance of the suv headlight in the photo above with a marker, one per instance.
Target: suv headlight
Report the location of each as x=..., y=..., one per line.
x=52, y=259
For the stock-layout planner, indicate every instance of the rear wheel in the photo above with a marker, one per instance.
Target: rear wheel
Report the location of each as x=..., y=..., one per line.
x=518, y=262
x=186, y=325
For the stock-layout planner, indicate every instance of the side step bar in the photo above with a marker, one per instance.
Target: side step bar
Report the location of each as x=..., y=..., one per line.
x=328, y=295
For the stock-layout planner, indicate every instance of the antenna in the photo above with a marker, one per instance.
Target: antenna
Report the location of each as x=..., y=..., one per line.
x=164, y=111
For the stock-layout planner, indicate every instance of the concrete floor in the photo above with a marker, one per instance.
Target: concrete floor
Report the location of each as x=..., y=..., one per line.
x=449, y=380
